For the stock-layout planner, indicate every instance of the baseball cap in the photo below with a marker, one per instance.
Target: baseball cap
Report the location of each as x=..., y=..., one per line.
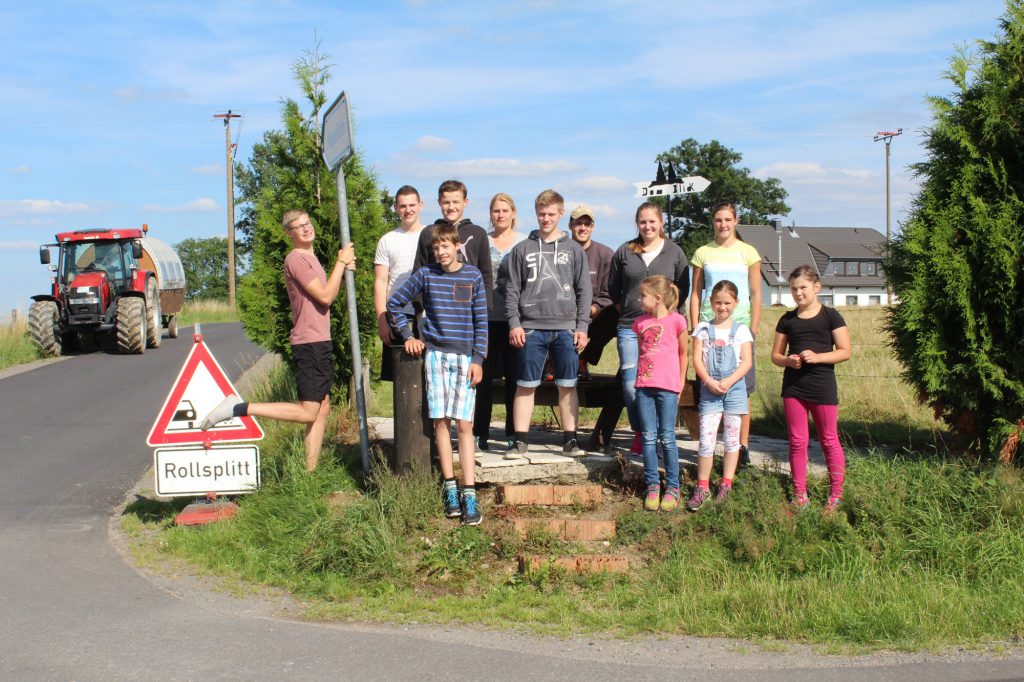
x=580, y=211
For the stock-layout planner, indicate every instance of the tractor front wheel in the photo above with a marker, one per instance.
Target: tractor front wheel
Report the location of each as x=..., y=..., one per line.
x=131, y=325
x=43, y=327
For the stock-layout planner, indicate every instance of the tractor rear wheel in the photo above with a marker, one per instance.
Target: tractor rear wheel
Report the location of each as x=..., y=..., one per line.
x=131, y=325
x=155, y=323
x=43, y=323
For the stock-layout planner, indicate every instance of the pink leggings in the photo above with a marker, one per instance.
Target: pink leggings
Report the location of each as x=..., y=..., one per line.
x=825, y=421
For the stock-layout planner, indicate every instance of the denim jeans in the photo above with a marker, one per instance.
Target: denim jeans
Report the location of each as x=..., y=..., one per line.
x=657, y=409
x=541, y=343
x=629, y=355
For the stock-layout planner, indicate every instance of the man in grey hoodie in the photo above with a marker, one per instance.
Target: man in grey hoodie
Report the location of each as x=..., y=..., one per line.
x=547, y=302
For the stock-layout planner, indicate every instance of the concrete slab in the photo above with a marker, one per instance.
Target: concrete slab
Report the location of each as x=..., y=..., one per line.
x=545, y=462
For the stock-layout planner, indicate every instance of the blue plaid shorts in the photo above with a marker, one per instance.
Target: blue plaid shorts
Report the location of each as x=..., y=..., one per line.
x=449, y=393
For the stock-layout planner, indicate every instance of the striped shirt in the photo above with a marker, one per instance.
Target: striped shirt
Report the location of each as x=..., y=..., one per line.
x=454, y=308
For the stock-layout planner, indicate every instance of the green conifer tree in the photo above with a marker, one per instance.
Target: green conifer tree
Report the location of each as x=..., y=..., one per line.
x=957, y=269
x=287, y=171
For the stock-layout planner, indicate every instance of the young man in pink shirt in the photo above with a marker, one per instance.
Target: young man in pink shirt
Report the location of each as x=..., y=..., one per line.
x=310, y=292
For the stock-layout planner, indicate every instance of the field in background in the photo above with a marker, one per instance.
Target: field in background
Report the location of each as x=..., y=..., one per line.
x=207, y=311
x=15, y=346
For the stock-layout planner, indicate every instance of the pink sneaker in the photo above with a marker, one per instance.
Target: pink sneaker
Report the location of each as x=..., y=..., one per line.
x=653, y=499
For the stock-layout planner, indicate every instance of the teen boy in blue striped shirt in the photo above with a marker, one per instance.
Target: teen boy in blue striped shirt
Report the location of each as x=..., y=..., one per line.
x=454, y=335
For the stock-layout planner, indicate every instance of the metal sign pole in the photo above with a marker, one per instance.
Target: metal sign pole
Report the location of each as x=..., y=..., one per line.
x=337, y=147
x=353, y=324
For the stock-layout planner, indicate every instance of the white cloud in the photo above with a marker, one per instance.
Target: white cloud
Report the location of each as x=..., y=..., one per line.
x=469, y=168
x=813, y=173
x=21, y=245
x=18, y=170
x=208, y=169
x=10, y=207
x=201, y=205
x=432, y=143
x=600, y=210
x=602, y=183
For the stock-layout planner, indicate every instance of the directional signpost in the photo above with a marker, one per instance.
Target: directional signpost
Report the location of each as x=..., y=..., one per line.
x=207, y=469
x=337, y=149
x=668, y=186
x=688, y=185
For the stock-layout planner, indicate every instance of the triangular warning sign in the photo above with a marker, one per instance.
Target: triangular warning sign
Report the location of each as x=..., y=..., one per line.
x=200, y=386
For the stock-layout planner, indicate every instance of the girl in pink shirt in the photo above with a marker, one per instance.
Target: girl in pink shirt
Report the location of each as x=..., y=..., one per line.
x=661, y=376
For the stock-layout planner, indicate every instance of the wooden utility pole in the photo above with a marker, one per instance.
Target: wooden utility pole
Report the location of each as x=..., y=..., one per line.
x=231, y=203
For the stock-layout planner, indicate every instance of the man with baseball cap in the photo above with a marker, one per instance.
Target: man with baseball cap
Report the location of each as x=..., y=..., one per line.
x=599, y=258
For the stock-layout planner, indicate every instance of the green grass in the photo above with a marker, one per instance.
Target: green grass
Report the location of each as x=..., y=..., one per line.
x=15, y=346
x=925, y=554
x=208, y=310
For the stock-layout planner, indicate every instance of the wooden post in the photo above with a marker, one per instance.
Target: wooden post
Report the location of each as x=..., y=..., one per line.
x=413, y=429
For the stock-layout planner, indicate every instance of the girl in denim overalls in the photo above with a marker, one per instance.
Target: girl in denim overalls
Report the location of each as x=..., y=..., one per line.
x=721, y=358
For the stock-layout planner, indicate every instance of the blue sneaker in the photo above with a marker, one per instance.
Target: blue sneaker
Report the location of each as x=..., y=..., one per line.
x=452, y=508
x=471, y=515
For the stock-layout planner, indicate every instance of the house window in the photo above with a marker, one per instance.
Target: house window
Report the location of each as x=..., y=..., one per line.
x=874, y=299
x=869, y=268
x=836, y=267
x=851, y=268
x=851, y=300
x=825, y=299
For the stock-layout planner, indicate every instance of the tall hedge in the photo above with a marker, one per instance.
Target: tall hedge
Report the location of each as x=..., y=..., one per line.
x=957, y=268
x=287, y=171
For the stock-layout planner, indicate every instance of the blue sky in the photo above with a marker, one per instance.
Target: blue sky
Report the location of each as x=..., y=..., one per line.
x=108, y=106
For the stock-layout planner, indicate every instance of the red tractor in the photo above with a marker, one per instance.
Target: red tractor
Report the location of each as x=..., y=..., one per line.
x=108, y=283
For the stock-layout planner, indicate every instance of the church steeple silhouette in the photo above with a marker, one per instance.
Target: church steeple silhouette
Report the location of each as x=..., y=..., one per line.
x=659, y=179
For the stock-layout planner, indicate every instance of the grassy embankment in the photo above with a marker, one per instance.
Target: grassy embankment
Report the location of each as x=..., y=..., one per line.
x=16, y=347
x=926, y=553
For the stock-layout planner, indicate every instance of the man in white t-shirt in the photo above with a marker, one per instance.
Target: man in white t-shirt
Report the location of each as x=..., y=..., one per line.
x=392, y=266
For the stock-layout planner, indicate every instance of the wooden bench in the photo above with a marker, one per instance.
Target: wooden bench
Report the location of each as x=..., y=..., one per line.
x=604, y=391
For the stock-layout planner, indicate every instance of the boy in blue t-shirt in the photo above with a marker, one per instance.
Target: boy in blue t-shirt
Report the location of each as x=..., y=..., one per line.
x=454, y=335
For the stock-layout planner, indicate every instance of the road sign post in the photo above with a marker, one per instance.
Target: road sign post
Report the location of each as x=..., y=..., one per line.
x=337, y=148
x=207, y=470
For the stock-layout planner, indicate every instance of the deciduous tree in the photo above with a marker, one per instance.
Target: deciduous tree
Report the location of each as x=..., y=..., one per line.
x=206, y=267
x=757, y=200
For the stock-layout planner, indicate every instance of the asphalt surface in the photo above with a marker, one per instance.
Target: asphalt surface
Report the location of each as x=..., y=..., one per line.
x=72, y=444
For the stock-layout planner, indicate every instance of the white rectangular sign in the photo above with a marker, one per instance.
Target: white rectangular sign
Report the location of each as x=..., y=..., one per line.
x=226, y=470
x=688, y=185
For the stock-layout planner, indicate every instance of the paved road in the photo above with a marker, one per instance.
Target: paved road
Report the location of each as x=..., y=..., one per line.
x=72, y=443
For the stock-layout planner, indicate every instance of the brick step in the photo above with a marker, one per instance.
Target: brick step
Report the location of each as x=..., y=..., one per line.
x=551, y=495
x=581, y=563
x=569, y=529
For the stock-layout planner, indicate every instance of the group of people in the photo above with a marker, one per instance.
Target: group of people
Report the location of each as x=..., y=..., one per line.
x=523, y=307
